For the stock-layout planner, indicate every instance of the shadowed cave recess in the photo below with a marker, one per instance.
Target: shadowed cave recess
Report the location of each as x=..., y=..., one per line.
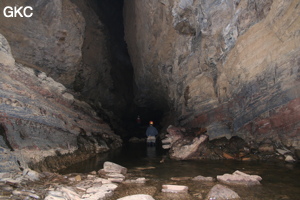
x=75, y=76
x=122, y=74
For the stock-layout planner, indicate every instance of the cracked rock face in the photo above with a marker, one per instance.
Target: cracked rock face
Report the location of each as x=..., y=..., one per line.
x=50, y=40
x=69, y=42
x=38, y=118
x=230, y=63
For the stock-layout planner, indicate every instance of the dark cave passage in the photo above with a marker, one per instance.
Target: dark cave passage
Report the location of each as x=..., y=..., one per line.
x=110, y=12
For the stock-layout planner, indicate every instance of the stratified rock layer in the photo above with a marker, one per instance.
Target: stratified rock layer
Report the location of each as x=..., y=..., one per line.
x=230, y=66
x=68, y=41
x=39, y=118
x=50, y=40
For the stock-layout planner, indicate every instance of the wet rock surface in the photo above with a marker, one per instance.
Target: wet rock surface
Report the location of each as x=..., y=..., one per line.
x=221, y=192
x=78, y=186
x=40, y=119
x=239, y=178
x=195, y=144
x=231, y=66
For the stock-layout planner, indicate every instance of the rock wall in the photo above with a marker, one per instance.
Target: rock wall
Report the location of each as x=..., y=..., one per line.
x=230, y=66
x=104, y=78
x=39, y=118
x=50, y=40
x=67, y=40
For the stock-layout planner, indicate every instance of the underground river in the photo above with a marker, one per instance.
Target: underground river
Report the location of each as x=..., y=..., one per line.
x=280, y=180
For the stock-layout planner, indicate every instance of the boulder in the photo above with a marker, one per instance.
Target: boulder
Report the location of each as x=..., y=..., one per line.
x=114, y=168
x=174, y=188
x=221, y=192
x=186, y=149
x=137, y=197
x=240, y=178
x=289, y=159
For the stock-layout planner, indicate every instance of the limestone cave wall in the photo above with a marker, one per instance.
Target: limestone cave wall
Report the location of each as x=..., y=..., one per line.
x=52, y=65
x=39, y=119
x=68, y=41
x=230, y=66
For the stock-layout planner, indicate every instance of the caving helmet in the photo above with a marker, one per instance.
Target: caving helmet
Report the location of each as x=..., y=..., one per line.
x=151, y=122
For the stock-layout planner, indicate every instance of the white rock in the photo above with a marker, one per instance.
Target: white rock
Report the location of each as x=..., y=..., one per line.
x=113, y=167
x=68, y=97
x=110, y=186
x=55, y=195
x=221, y=192
x=31, y=175
x=283, y=151
x=166, y=146
x=42, y=76
x=102, y=180
x=93, y=189
x=138, y=180
x=6, y=57
x=51, y=197
x=105, y=187
x=166, y=140
x=100, y=192
x=174, y=188
x=289, y=158
x=96, y=196
x=240, y=178
x=90, y=176
x=137, y=197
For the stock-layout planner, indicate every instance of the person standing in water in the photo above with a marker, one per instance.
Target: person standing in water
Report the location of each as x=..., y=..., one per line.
x=151, y=133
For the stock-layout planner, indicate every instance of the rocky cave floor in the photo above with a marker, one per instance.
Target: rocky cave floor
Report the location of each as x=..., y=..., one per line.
x=114, y=184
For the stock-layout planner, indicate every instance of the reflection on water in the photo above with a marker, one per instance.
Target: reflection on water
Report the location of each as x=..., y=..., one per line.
x=151, y=152
x=280, y=180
